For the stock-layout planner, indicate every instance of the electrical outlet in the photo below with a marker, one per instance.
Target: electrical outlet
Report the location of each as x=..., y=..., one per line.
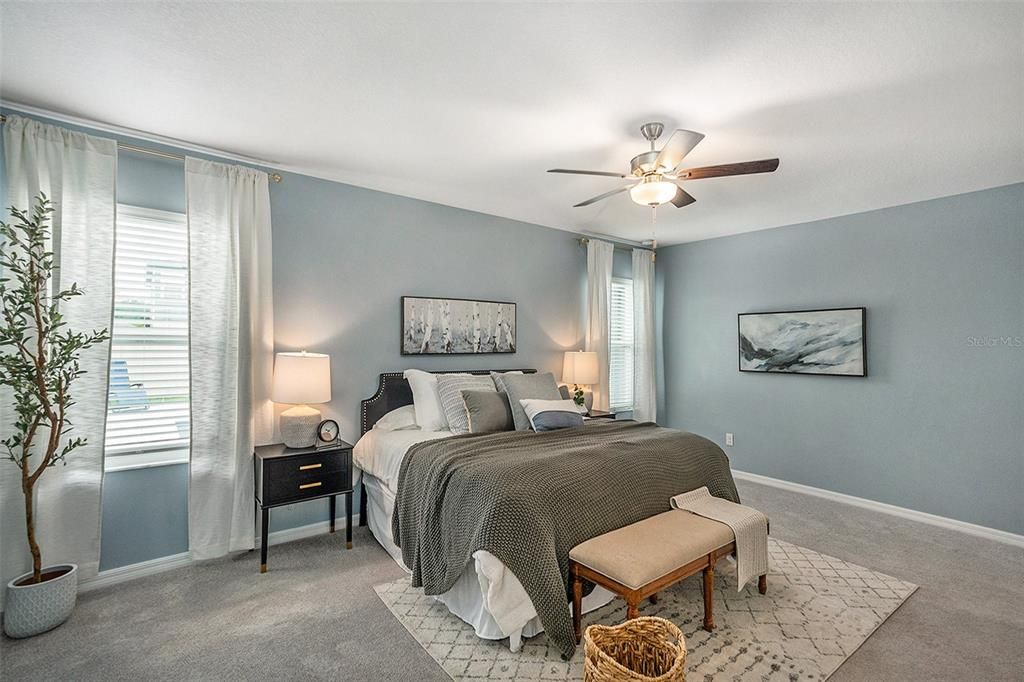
x=728, y=439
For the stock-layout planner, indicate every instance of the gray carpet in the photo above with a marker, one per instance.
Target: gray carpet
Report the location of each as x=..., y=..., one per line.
x=315, y=614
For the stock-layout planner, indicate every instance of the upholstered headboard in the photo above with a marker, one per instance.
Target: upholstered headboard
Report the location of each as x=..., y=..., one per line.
x=393, y=392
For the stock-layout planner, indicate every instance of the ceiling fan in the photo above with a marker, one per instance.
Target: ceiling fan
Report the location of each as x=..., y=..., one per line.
x=657, y=176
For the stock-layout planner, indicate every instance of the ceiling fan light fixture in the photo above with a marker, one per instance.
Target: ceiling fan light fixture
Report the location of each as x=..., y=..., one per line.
x=653, y=191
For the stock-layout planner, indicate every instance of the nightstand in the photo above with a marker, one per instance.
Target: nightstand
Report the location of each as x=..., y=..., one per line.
x=289, y=475
x=600, y=414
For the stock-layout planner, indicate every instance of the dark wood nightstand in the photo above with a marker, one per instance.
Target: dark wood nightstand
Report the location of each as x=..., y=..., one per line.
x=600, y=414
x=289, y=475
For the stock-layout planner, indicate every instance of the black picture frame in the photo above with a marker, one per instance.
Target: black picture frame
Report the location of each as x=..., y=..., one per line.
x=863, y=341
x=510, y=346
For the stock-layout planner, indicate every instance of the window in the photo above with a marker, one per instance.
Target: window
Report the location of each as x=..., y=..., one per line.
x=620, y=345
x=148, y=409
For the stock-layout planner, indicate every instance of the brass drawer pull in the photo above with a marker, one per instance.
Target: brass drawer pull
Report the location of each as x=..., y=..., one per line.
x=305, y=467
x=311, y=485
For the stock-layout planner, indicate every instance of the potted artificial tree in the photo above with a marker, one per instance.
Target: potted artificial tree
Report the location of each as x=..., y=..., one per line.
x=39, y=363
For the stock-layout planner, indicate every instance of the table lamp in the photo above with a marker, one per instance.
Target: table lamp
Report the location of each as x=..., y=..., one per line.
x=580, y=369
x=301, y=379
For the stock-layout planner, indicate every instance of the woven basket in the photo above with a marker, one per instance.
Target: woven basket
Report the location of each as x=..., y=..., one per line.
x=645, y=649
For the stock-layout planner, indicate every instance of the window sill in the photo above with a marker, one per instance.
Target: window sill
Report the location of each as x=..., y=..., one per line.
x=145, y=460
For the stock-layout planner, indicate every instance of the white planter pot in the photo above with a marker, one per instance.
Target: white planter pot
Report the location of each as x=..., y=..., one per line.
x=35, y=608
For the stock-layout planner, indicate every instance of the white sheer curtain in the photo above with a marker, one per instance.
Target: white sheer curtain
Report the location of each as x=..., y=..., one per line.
x=78, y=173
x=644, y=349
x=599, y=285
x=231, y=337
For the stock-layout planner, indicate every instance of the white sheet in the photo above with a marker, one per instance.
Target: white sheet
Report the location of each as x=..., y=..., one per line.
x=380, y=453
x=487, y=595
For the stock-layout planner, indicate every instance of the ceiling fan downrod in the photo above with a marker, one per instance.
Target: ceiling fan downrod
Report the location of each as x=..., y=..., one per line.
x=652, y=131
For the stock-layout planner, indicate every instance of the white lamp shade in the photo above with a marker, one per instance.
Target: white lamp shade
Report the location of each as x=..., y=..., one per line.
x=580, y=367
x=302, y=378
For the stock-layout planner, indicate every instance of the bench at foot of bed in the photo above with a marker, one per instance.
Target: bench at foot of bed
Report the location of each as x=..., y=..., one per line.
x=639, y=560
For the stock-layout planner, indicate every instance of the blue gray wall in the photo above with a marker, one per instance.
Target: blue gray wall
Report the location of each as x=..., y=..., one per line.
x=343, y=257
x=938, y=424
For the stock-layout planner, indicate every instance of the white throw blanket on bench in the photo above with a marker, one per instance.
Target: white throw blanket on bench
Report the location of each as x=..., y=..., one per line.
x=748, y=525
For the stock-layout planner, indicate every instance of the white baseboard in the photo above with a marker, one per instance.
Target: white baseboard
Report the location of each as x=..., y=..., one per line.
x=278, y=537
x=891, y=509
x=114, y=576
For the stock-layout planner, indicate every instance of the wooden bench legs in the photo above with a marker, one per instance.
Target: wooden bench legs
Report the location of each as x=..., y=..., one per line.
x=577, y=600
x=705, y=565
x=709, y=597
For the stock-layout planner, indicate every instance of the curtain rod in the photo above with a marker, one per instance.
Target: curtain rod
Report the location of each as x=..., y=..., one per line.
x=276, y=177
x=618, y=247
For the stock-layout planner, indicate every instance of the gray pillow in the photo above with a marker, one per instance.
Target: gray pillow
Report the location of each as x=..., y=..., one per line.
x=487, y=411
x=450, y=388
x=525, y=386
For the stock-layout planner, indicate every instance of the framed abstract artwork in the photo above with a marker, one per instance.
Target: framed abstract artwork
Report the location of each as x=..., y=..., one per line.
x=828, y=341
x=457, y=326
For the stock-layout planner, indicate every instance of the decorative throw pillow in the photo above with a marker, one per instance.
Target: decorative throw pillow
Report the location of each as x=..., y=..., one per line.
x=525, y=387
x=426, y=400
x=450, y=388
x=498, y=382
x=549, y=415
x=487, y=411
x=397, y=420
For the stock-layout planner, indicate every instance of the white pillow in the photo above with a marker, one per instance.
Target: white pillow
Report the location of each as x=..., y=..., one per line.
x=426, y=399
x=550, y=415
x=397, y=420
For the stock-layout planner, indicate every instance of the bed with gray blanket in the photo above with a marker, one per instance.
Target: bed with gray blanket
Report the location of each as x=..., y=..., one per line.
x=528, y=498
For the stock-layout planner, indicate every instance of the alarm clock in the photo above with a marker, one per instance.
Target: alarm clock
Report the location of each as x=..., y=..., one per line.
x=327, y=432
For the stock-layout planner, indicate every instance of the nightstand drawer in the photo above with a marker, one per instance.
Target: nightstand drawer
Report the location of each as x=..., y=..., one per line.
x=285, y=490
x=317, y=463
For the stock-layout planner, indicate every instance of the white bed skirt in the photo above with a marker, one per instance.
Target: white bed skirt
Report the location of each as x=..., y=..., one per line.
x=487, y=595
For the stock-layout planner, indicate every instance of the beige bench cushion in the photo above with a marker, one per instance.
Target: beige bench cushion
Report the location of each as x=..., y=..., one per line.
x=642, y=552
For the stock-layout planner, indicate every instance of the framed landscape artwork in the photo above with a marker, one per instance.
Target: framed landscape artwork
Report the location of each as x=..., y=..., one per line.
x=804, y=342
x=457, y=326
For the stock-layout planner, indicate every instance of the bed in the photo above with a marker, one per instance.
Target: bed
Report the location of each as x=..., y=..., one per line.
x=477, y=586
x=487, y=596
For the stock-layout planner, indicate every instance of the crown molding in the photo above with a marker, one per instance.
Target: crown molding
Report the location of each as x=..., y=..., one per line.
x=135, y=134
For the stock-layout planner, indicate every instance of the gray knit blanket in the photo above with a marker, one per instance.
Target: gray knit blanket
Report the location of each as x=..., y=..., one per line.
x=528, y=498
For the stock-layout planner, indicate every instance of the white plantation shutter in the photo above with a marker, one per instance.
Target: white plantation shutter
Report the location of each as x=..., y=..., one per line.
x=620, y=345
x=148, y=406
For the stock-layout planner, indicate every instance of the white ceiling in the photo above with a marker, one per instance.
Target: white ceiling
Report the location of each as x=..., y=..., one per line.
x=867, y=104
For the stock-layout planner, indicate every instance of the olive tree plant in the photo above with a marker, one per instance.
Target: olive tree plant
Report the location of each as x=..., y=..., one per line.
x=39, y=355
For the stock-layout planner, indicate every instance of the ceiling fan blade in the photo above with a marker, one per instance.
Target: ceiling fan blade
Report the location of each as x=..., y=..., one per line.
x=599, y=197
x=588, y=172
x=726, y=169
x=679, y=145
x=682, y=198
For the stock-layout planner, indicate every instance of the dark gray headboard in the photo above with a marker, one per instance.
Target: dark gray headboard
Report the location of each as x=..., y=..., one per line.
x=393, y=392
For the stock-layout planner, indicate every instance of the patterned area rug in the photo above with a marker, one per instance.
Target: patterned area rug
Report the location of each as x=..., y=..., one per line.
x=817, y=612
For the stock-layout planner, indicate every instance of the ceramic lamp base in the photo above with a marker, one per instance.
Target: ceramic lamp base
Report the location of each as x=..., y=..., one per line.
x=298, y=426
